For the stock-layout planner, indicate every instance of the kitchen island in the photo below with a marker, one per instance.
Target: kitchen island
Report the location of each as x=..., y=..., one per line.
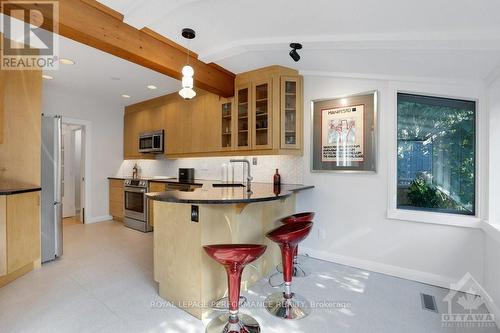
x=187, y=220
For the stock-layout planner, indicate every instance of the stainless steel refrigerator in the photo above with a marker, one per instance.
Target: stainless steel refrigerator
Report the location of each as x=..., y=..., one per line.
x=51, y=202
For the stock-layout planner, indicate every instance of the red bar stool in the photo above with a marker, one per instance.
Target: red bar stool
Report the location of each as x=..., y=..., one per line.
x=288, y=305
x=298, y=270
x=234, y=257
x=299, y=217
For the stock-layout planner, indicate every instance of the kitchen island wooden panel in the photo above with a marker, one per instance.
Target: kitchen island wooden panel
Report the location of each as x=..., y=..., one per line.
x=190, y=279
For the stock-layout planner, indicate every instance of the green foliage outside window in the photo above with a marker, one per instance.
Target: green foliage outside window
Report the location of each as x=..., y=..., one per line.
x=448, y=126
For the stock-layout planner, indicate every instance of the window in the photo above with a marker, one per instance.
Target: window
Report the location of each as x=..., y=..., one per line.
x=436, y=154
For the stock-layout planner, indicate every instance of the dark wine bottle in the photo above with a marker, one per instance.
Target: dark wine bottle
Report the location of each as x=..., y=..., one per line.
x=277, y=178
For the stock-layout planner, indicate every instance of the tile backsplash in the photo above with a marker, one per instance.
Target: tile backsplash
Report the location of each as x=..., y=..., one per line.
x=291, y=168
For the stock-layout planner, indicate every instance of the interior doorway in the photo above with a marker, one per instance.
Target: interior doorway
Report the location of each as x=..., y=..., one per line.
x=73, y=173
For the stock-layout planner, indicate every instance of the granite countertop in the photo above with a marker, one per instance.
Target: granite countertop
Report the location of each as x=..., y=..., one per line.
x=9, y=187
x=207, y=194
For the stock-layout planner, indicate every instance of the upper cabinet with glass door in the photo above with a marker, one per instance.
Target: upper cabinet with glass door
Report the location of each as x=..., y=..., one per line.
x=262, y=115
x=227, y=124
x=291, y=112
x=243, y=117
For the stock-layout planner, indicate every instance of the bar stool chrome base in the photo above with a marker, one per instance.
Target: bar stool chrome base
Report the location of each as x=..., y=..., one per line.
x=222, y=324
x=296, y=307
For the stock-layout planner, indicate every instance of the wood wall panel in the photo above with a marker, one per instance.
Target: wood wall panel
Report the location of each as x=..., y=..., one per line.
x=20, y=149
x=23, y=230
x=116, y=199
x=2, y=84
x=3, y=235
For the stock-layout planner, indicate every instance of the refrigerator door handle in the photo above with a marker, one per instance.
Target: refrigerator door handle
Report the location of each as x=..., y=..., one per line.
x=58, y=229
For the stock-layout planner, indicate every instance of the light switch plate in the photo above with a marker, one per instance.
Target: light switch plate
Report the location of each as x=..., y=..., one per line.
x=254, y=160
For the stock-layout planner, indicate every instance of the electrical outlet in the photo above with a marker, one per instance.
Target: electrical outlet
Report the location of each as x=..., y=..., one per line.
x=254, y=160
x=204, y=166
x=195, y=213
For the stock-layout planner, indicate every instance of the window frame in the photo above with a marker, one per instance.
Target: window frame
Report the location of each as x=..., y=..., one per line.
x=451, y=92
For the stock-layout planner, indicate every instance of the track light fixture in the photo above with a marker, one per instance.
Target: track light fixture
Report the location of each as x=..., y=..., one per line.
x=293, y=53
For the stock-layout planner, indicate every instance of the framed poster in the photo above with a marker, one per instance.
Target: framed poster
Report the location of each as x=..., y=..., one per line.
x=344, y=133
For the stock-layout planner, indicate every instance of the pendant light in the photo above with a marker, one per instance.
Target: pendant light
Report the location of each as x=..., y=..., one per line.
x=187, y=91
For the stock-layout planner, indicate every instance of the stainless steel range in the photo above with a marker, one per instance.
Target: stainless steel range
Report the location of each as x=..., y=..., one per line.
x=136, y=204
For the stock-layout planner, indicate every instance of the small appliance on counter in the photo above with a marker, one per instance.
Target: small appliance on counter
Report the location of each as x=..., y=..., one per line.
x=186, y=175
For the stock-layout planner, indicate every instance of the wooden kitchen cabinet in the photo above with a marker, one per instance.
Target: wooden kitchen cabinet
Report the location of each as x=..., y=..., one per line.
x=243, y=116
x=264, y=118
x=261, y=112
x=154, y=187
x=276, y=108
x=136, y=123
x=291, y=112
x=116, y=199
x=228, y=124
x=19, y=234
x=133, y=125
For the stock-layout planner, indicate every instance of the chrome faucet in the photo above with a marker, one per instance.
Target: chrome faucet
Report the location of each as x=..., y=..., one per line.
x=249, y=176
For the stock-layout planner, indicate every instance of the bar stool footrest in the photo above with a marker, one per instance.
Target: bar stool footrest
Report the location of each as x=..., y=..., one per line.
x=220, y=324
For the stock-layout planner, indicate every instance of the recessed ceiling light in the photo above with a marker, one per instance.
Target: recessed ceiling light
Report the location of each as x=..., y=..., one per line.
x=126, y=96
x=47, y=77
x=152, y=87
x=66, y=61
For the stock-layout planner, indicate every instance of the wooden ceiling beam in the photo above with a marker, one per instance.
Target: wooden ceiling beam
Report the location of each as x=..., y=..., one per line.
x=88, y=23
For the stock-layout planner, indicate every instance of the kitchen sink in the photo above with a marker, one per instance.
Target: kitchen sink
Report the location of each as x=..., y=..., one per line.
x=228, y=185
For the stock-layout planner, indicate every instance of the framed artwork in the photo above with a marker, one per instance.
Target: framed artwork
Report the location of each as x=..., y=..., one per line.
x=344, y=133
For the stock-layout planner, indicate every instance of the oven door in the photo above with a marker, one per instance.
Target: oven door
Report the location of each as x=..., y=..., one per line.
x=135, y=203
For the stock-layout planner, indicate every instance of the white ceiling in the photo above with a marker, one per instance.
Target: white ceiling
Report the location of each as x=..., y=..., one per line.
x=455, y=39
x=97, y=74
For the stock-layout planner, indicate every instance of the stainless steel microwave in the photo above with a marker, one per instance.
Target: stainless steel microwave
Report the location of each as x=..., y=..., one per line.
x=151, y=142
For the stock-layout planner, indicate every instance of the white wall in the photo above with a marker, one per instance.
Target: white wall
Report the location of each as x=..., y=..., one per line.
x=352, y=208
x=492, y=237
x=494, y=161
x=68, y=198
x=106, y=146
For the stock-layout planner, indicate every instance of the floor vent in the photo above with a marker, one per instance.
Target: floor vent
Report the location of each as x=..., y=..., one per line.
x=428, y=302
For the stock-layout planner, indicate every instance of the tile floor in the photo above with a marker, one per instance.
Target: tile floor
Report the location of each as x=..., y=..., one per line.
x=104, y=283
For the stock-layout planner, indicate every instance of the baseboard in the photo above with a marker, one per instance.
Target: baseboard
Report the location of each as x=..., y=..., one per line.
x=6, y=279
x=97, y=219
x=404, y=273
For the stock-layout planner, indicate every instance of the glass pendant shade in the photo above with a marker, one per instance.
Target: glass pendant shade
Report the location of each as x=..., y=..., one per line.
x=187, y=93
x=187, y=82
x=187, y=71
